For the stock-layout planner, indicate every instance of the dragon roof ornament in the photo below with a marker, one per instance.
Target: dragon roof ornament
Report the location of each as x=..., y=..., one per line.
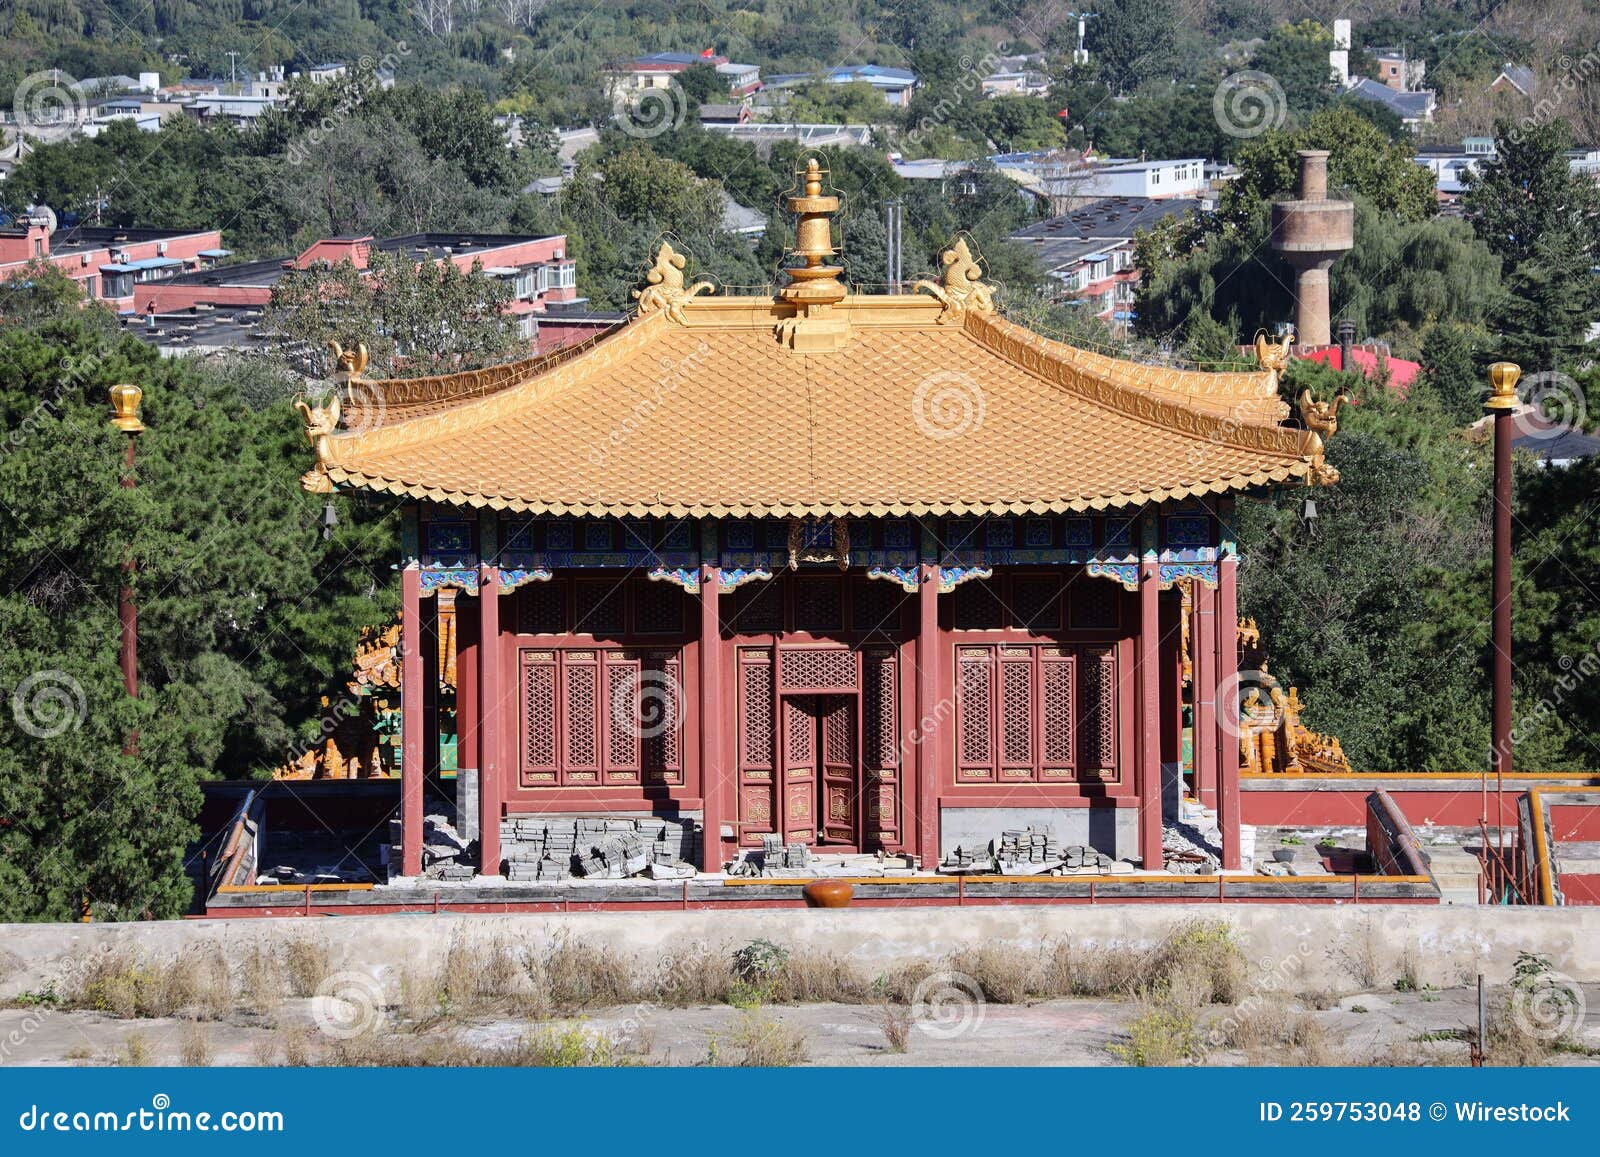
x=665, y=289
x=961, y=288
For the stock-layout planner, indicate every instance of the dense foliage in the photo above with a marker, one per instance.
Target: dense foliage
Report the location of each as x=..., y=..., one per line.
x=246, y=612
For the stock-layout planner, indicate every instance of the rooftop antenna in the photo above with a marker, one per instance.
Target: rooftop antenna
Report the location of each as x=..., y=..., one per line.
x=232, y=72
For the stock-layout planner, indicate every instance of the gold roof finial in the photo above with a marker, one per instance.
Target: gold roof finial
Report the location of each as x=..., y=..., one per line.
x=814, y=282
x=1503, y=378
x=814, y=288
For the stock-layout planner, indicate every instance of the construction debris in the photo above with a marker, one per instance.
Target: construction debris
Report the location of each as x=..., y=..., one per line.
x=1184, y=855
x=445, y=854
x=1029, y=852
x=774, y=859
x=540, y=848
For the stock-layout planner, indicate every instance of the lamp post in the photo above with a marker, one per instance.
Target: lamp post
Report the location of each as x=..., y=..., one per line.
x=125, y=417
x=1502, y=404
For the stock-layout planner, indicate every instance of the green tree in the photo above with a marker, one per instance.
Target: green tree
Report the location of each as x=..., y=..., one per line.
x=1362, y=161
x=702, y=85
x=1543, y=222
x=1451, y=373
x=1296, y=56
x=1374, y=609
x=1018, y=123
x=246, y=614
x=415, y=317
x=1132, y=41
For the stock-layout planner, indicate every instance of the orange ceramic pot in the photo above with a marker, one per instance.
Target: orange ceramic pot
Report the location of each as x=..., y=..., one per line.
x=829, y=893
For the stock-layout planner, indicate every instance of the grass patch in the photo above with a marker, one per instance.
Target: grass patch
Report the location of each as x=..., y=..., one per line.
x=194, y=1046
x=1165, y=1032
x=759, y=1040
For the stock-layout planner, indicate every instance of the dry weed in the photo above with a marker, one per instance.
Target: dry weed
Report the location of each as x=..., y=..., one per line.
x=135, y=1051
x=896, y=1021
x=759, y=1040
x=194, y=1047
x=305, y=965
x=1003, y=975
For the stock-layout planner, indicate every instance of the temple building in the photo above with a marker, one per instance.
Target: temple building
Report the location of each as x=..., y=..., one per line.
x=863, y=573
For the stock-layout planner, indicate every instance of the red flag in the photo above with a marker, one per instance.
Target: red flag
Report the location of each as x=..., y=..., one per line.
x=708, y=54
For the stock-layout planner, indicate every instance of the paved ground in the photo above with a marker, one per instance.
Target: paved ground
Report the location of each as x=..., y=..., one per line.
x=1362, y=1029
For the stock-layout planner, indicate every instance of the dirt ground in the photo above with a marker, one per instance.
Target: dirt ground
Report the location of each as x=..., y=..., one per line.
x=1376, y=1028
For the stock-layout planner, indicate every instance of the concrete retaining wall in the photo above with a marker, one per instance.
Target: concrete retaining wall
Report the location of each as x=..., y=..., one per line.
x=1339, y=948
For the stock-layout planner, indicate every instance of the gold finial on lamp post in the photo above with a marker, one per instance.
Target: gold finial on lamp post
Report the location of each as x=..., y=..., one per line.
x=125, y=408
x=1503, y=378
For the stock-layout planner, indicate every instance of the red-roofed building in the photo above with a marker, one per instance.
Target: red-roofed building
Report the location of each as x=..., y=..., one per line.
x=1371, y=360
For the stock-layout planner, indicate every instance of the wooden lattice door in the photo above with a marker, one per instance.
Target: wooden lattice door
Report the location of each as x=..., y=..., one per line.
x=840, y=781
x=797, y=747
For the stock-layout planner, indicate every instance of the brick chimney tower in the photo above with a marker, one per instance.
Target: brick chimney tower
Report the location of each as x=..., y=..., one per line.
x=1311, y=233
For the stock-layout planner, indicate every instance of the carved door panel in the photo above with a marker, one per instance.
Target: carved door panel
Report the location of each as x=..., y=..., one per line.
x=880, y=750
x=760, y=811
x=797, y=784
x=841, y=803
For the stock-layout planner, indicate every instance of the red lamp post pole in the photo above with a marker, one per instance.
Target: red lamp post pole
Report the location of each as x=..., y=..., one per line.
x=125, y=417
x=1502, y=402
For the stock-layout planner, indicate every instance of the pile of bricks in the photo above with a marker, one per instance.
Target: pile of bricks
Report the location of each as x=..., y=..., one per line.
x=539, y=848
x=1037, y=849
x=970, y=857
x=774, y=859
x=1026, y=851
x=1083, y=858
x=446, y=855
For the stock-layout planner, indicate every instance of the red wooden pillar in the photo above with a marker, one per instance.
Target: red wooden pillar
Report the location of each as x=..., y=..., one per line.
x=466, y=687
x=491, y=708
x=929, y=714
x=1203, y=653
x=1227, y=706
x=1172, y=693
x=413, y=697
x=1147, y=690
x=713, y=766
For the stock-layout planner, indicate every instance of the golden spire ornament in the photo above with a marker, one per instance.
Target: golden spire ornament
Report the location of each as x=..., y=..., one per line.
x=814, y=288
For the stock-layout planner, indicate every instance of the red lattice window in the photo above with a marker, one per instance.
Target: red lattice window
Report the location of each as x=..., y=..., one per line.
x=818, y=604
x=1096, y=604
x=757, y=731
x=975, y=713
x=599, y=607
x=622, y=721
x=800, y=733
x=880, y=734
x=658, y=608
x=539, y=671
x=817, y=668
x=1016, y=710
x=1056, y=669
x=878, y=605
x=600, y=715
x=1097, y=714
x=1036, y=712
x=580, y=735
x=758, y=608
x=543, y=607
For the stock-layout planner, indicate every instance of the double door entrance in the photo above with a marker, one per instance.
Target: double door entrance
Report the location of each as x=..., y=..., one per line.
x=820, y=770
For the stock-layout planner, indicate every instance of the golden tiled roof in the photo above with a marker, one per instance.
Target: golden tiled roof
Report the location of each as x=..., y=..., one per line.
x=910, y=404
